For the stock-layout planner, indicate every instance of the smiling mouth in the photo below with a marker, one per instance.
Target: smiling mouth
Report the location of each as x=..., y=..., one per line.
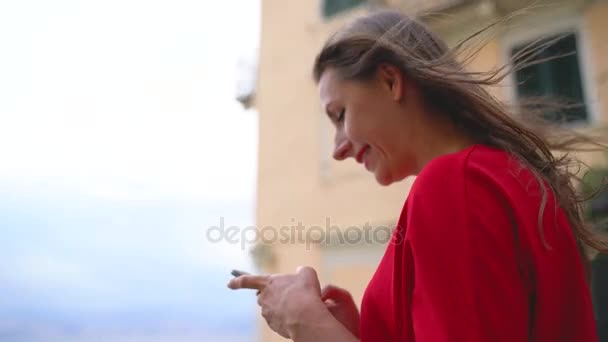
x=361, y=154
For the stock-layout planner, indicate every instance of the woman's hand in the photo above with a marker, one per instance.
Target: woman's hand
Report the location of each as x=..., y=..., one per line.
x=341, y=305
x=288, y=301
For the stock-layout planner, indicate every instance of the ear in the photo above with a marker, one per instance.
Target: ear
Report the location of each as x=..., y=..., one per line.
x=392, y=78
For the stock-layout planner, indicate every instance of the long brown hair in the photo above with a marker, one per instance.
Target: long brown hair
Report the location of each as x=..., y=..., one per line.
x=388, y=37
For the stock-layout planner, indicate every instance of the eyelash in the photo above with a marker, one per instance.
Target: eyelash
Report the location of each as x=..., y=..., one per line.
x=340, y=117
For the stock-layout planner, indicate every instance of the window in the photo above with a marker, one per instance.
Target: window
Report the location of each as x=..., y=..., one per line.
x=333, y=7
x=558, y=78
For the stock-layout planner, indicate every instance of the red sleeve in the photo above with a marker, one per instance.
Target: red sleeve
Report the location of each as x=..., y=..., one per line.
x=467, y=279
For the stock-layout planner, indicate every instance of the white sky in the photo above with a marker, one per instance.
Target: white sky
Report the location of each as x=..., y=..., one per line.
x=126, y=101
x=105, y=94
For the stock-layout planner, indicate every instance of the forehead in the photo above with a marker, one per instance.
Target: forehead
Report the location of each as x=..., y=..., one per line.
x=329, y=87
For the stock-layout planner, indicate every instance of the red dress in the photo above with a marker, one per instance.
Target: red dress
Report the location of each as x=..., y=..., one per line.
x=467, y=261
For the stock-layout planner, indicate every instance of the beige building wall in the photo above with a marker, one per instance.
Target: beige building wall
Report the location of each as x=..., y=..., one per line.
x=298, y=182
x=595, y=23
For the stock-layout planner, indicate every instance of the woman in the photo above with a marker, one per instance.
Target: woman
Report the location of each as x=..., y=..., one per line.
x=489, y=244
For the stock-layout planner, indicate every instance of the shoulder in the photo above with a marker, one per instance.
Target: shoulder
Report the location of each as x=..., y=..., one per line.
x=452, y=170
x=466, y=196
x=473, y=164
x=455, y=186
x=446, y=170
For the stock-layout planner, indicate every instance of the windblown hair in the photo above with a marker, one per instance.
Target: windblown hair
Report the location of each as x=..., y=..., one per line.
x=388, y=37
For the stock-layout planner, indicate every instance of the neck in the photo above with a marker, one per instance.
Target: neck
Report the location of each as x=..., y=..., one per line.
x=443, y=138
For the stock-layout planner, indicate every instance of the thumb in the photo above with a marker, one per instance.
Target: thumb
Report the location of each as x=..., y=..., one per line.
x=306, y=270
x=310, y=276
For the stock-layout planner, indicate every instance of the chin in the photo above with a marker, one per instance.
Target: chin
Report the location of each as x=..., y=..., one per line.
x=384, y=179
x=387, y=178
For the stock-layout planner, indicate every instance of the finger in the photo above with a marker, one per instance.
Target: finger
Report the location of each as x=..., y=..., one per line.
x=329, y=303
x=308, y=273
x=336, y=293
x=328, y=288
x=306, y=270
x=310, y=277
x=255, y=282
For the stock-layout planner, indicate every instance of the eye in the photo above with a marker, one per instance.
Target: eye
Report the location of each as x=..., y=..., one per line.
x=340, y=117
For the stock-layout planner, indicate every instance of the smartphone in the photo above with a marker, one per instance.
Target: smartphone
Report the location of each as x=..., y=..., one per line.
x=237, y=273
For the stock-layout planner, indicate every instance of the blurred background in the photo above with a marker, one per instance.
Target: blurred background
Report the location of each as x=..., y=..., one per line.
x=121, y=142
x=131, y=130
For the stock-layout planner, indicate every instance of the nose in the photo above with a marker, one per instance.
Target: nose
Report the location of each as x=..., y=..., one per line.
x=343, y=146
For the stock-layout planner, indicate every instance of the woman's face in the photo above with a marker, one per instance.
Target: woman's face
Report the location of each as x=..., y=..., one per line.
x=377, y=122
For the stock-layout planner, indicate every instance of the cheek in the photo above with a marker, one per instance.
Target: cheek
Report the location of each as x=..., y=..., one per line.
x=392, y=166
x=365, y=129
x=357, y=128
x=385, y=130
x=364, y=119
